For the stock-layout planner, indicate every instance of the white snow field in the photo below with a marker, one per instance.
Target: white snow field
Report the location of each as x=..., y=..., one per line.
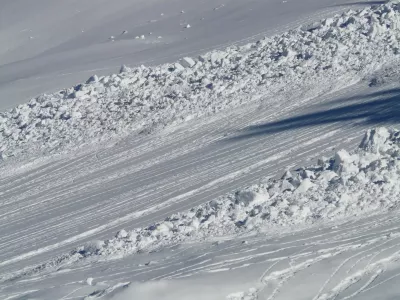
x=47, y=45
x=303, y=63
x=268, y=170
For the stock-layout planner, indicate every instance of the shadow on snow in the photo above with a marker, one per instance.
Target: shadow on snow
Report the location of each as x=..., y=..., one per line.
x=374, y=109
x=368, y=3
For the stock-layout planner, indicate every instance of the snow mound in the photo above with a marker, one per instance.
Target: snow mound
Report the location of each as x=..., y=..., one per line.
x=171, y=290
x=349, y=184
x=109, y=292
x=304, y=62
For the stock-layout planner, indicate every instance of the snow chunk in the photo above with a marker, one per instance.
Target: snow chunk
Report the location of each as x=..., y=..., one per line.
x=331, y=190
x=122, y=234
x=251, y=197
x=375, y=139
x=93, y=78
x=308, y=59
x=304, y=186
x=178, y=67
x=344, y=163
x=124, y=69
x=188, y=62
x=90, y=248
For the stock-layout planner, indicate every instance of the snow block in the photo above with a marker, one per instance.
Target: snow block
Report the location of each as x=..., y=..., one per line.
x=178, y=67
x=187, y=62
x=93, y=78
x=374, y=139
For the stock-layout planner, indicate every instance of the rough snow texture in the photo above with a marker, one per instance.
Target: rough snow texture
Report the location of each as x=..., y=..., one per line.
x=303, y=62
x=346, y=185
x=350, y=184
x=250, y=295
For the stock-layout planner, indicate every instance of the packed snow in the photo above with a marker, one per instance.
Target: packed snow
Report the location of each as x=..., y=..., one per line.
x=195, y=191
x=48, y=45
x=349, y=184
x=311, y=60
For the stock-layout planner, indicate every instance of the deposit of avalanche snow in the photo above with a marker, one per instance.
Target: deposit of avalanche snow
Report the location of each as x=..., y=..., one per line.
x=349, y=184
x=305, y=62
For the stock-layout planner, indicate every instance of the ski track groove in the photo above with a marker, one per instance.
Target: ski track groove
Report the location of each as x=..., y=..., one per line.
x=155, y=177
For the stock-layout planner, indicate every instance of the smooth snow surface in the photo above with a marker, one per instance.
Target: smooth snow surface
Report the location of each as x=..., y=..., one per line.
x=268, y=170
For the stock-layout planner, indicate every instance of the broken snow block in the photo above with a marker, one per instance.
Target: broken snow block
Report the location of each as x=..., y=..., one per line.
x=286, y=186
x=217, y=57
x=121, y=234
x=374, y=139
x=304, y=186
x=124, y=69
x=188, y=62
x=202, y=58
x=178, y=67
x=93, y=78
x=342, y=157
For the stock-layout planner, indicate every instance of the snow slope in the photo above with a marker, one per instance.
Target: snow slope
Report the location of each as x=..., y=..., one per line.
x=309, y=61
x=49, y=207
x=47, y=45
x=357, y=260
x=344, y=258
x=59, y=213
x=346, y=185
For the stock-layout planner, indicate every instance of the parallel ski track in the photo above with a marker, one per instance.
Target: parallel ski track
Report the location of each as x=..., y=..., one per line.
x=54, y=207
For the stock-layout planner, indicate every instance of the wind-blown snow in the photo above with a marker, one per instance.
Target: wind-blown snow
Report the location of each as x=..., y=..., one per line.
x=349, y=184
x=310, y=60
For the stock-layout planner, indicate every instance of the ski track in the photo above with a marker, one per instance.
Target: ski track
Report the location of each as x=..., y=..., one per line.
x=155, y=177
x=53, y=205
x=293, y=261
x=64, y=187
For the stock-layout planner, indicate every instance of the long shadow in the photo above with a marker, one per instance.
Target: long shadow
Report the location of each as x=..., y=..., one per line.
x=369, y=3
x=372, y=109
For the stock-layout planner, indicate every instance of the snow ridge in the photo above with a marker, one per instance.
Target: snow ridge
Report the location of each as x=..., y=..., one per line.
x=301, y=63
x=349, y=184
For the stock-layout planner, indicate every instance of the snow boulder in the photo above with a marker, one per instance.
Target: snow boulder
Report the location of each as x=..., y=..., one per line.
x=93, y=78
x=304, y=186
x=90, y=248
x=122, y=234
x=251, y=197
x=344, y=163
x=374, y=139
x=188, y=62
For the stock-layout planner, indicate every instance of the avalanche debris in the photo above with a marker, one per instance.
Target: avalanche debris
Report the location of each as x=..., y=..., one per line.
x=349, y=184
x=304, y=62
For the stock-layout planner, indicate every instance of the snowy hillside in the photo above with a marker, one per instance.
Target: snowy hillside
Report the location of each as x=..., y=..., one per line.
x=361, y=183
x=306, y=62
x=47, y=45
x=225, y=168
